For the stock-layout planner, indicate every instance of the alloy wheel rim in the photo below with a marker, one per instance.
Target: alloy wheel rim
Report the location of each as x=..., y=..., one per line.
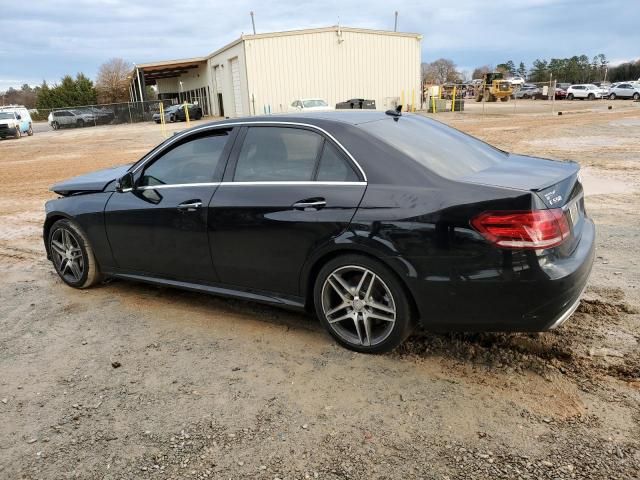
x=67, y=255
x=358, y=306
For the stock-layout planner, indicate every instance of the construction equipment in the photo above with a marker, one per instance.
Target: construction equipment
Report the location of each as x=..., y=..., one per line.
x=493, y=87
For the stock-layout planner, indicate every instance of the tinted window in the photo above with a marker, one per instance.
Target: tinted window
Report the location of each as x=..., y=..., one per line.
x=192, y=162
x=333, y=166
x=442, y=149
x=277, y=154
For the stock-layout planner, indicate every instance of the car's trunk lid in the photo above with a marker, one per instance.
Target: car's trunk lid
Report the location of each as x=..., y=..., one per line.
x=527, y=173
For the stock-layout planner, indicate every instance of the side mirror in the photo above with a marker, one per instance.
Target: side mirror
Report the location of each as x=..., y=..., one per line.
x=125, y=183
x=19, y=117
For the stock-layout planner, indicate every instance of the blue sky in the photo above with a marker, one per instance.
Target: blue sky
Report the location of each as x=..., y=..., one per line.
x=47, y=39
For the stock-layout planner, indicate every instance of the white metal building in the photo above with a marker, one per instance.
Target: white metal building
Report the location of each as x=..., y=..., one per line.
x=265, y=73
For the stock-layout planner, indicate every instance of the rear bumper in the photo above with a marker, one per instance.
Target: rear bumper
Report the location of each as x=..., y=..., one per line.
x=528, y=292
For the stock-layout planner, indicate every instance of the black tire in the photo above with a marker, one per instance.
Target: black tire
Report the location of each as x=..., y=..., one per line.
x=89, y=271
x=30, y=131
x=636, y=96
x=504, y=99
x=612, y=96
x=55, y=125
x=172, y=118
x=18, y=133
x=80, y=123
x=591, y=96
x=388, y=288
x=570, y=96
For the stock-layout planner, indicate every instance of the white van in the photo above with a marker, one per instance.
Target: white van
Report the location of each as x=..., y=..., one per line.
x=15, y=121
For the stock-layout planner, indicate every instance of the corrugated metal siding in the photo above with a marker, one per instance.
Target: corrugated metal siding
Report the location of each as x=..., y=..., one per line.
x=333, y=67
x=237, y=91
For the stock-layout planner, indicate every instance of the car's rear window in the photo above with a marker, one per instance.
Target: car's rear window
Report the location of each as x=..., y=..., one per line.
x=442, y=149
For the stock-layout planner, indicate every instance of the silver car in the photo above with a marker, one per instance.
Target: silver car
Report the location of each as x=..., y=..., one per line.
x=624, y=90
x=70, y=118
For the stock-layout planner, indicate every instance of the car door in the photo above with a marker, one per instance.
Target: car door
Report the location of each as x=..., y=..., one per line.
x=159, y=227
x=287, y=191
x=625, y=90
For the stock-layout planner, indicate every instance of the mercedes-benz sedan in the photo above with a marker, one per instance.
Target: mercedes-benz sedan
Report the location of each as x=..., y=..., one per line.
x=377, y=222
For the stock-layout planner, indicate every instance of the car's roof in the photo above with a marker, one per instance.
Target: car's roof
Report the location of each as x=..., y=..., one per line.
x=351, y=117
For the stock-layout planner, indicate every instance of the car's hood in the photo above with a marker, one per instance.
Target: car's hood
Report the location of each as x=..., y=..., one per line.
x=91, y=182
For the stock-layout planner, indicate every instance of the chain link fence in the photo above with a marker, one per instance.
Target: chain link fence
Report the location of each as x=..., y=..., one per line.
x=499, y=96
x=102, y=114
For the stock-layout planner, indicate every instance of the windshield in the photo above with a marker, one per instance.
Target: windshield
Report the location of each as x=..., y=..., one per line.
x=442, y=149
x=314, y=103
x=6, y=115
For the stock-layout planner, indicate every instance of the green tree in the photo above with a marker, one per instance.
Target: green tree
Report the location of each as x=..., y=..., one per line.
x=522, y=70
x=69, y=92
x=539, y=71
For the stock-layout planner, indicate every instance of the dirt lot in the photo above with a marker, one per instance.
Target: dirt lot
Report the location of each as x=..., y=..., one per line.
x=212, y=388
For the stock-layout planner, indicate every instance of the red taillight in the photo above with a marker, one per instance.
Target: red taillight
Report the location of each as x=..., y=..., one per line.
x=536, y=229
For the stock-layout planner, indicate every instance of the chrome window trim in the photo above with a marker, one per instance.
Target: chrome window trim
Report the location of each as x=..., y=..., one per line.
x=290, y=182
x=240, y=184
x=181, y=135
x=177, y=185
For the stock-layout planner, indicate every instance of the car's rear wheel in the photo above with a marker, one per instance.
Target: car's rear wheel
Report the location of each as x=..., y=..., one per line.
x=72, y=255
x=55, y=125
x=362, y=304
x=570, y=96
x=591, y=96
x=612, y=96
x=30, y=131
x=18, y=133
x=636, y=96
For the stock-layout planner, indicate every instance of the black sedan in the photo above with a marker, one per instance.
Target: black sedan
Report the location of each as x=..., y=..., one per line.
x=377, y=222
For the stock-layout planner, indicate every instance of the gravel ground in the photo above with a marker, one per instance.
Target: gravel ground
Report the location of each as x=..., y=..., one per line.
x=132, y=381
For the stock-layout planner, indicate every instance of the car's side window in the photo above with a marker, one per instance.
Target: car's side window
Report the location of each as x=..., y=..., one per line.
x=277, y=154
x=334, y=167
x=193, y=161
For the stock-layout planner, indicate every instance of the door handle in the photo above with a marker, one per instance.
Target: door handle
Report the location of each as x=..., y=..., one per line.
x=190, y=206
x=312, y=204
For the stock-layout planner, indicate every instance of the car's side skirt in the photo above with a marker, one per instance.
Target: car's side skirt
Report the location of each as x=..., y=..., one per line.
x=296, y=303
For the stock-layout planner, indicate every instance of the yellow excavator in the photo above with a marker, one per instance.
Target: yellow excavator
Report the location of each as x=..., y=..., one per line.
x=494, y=87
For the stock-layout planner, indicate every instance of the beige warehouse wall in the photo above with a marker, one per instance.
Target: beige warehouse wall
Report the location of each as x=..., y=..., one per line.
x=223, y=58
x=331, y=66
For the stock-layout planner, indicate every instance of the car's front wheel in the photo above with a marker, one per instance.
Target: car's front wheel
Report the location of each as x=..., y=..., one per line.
x=30, y=131
x=72, y=255
x=591, y=96
x=18, y=133
x=362, y=304
x=636, y=96
x=612, y=96
x=570, y=96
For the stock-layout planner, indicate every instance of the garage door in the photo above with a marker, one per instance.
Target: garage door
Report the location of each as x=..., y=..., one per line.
x=237, y=95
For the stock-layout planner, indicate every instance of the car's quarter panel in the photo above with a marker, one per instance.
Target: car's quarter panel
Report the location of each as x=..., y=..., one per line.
x=87, y=210
x=457, y=279
x=260, y=241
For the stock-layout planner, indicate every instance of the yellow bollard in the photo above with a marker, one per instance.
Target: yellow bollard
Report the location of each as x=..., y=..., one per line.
x=453, y=99
x=433, y=104
x=186, y=114
x=402, y=99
